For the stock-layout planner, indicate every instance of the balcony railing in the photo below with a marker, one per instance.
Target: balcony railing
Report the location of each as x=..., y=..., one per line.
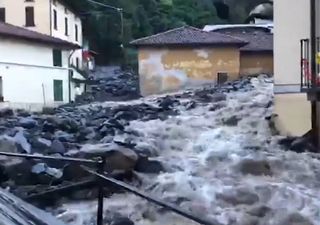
x=309, y=82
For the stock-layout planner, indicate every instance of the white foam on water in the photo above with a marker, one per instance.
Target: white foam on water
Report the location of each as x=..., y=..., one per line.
x=201, y=155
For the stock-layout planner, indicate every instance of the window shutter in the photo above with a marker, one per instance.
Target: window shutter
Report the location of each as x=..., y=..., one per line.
x=2, y=15
x=30, y=16
x=76, y=32
x=58, y=90
x=66, y=26
x=55, y=22
x=57, y=57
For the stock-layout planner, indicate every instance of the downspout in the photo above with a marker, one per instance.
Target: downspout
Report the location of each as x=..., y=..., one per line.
x=50, y=13
x=313, y=70
x=70, y=74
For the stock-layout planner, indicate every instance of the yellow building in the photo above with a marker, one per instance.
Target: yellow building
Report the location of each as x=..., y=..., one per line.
x=185, y=57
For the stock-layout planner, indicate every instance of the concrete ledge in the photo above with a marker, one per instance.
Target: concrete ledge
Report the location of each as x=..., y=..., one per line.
x=287, y=88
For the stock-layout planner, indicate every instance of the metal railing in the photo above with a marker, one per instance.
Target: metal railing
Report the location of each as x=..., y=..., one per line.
x=99, y=179
x=309, y=81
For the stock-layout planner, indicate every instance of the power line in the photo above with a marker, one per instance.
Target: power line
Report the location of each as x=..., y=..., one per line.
x=105, y=5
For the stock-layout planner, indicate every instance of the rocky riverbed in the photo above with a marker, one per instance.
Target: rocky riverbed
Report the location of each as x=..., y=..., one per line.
x=209, y=151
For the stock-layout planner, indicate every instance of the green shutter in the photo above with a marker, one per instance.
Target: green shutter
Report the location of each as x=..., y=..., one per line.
x=58, y=90
x=57, y=57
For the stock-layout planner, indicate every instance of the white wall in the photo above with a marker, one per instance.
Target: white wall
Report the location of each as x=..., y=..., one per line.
x=14, y=51
x=73, y=20
x=31, y=84
x=27, y=70
x=291, y=24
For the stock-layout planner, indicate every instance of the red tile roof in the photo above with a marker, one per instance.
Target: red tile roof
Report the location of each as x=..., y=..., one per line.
x=8, y=30
x=187, y=35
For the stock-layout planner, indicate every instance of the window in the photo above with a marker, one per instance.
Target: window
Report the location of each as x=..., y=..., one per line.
x=29, y=0
x=77, y=63
x=58, y=90
x=57, y=57
x=2, y=15
x=54, y=2
x=30, y=17
x=66, y=26
x=66, y=10
x=76, y=32
x=55, y=22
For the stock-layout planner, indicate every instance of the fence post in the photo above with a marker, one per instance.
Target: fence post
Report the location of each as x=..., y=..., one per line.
x=100, y=192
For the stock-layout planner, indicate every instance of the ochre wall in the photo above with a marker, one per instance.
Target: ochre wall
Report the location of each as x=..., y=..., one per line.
x=294, y=113
x=163, y=70
x=256, y=63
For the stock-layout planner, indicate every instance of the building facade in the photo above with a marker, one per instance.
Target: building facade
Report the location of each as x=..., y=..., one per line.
x=290, y=27
x=34, y=69
x=50, y=17
x=186, y=57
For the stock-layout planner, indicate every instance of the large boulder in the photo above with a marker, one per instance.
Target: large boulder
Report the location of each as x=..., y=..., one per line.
x=28, y=123
x=117, y=157
x=6, y=112
x=145, y=165
x=255, y=167
x=22, y=142
x=240, y=196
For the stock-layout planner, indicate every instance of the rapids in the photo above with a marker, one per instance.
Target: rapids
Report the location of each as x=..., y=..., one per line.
x=208, y=169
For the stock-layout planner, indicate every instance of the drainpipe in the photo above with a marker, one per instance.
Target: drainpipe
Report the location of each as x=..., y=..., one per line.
x=313, y=34
x=69, y=73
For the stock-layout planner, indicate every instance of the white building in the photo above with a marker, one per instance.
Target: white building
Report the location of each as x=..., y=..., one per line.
x=51, y=17
x=34, y=69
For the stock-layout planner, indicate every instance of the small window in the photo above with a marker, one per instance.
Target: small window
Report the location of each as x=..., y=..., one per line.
x=2, y=15
x=66, y=26
x=29, y=0
x=57, y=57
x=58, y=90
x=55, y=20
x=222, y=77
x=76, y=33
x=77, y=63
x=30, y=17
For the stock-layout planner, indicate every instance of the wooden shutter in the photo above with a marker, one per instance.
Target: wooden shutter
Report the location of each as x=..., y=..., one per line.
x=30, y=16
x=55, y=20
x=2, y=15
x=66, y=26
x=58, y=90
x=76, y=32
x=57, y=57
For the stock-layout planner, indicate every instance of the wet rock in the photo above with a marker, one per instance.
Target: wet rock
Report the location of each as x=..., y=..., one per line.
x=57, y=147
x=190, y=105
x=73, y=172
x=218, y=97
x=6, y=112
x=23, y=113
x=294, y=219
x=45, y=174
x=168, y=102
x=40, y=144
x=48, y=127
x=259, y=211
x=64, y=136
x=69, y=125
x=255, y=167
x=240, y=196
x=22, y=142
x=145, y=165
x=7, y=144
x=249, y=220
x=232, y=121
x=121, y=221
x=126, y=115
x=19, y=171
x=216, y=106
x=117, y=157
x=28, y=123
x=48, y=110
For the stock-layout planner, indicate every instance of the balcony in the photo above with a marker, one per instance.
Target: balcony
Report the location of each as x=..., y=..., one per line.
x=309, y=83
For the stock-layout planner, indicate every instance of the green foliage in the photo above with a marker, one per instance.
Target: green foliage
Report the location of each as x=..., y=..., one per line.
x=141, y=18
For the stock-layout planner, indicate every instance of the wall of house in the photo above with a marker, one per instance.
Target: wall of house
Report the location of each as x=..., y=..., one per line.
x=73, y=20
x=163, y=70
x=15, y=14
x=290, y=26
x=294, y=114
x=252, y=63
x=27, y=72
